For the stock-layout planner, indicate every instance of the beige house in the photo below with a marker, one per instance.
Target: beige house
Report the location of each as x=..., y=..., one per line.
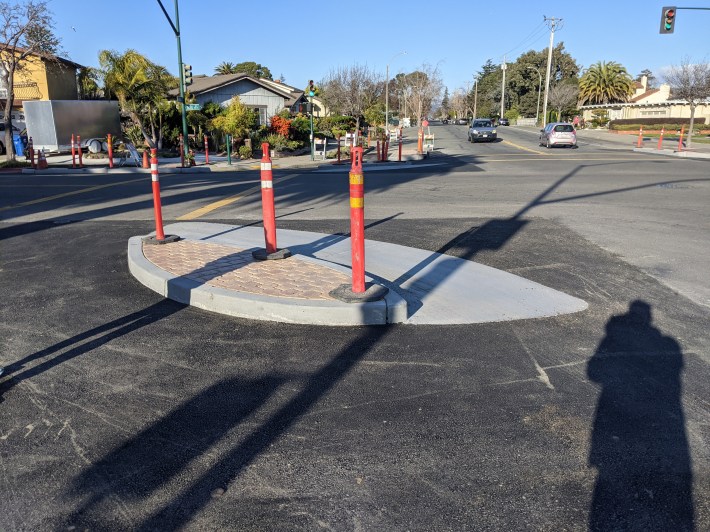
x=649, y=103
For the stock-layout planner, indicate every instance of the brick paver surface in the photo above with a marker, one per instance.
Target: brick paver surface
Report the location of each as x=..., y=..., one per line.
x=235, y=269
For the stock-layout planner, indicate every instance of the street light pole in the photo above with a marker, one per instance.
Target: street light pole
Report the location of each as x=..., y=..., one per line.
x=539, y=91
x=176, y=30
x=387, y=90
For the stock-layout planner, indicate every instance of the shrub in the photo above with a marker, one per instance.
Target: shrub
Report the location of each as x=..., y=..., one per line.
x=629, y=124
x=245, y=152
x=280, y=125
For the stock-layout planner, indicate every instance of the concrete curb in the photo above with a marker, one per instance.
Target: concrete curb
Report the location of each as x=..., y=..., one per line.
x=392, y=309
x=673, y=153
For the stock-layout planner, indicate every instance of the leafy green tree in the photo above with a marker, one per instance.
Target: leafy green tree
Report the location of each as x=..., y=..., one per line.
x=88, y=81
x=26, y=31
x=650, y=78
x=253, y=69
x=605, y=83
x=236, y=121
x=375, y=114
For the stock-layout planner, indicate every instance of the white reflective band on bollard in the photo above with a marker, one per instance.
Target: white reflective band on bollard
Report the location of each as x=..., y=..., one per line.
x=266, y=166
x=267, y=184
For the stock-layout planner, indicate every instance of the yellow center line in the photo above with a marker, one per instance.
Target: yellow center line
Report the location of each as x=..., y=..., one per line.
x=524, y=148
x=66, y=194
x=197, y=213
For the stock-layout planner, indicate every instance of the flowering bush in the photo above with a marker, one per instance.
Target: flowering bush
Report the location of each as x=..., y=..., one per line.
x=280, y=125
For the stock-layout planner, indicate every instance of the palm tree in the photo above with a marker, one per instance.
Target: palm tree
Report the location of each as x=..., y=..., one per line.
x=136, y=82
x=605, y=83
x=225, y=68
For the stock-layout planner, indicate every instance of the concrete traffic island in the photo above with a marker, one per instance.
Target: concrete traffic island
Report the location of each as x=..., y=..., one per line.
x=212, y=267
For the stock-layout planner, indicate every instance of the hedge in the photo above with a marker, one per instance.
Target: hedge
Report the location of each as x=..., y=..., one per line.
x=628, y=124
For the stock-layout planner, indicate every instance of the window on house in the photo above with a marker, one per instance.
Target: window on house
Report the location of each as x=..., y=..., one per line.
x=260, y=112
x=659, y=112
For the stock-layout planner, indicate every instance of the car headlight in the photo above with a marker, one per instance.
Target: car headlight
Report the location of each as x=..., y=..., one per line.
x=475, y=132
x=493, y=131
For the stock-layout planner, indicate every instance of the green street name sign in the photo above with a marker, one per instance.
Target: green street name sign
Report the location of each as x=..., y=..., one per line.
x=192, y=107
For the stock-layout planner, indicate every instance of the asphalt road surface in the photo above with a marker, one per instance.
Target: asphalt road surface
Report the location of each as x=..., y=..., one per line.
x=122, y=410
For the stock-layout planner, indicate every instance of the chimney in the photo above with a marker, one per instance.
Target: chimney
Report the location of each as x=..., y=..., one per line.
x=644, y=83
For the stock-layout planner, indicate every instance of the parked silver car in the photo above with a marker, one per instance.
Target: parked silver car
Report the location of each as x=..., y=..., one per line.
x=558, y=134
x=482, y=129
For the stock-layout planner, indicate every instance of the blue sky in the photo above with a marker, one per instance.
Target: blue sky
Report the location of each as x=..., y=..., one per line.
x=305, y=40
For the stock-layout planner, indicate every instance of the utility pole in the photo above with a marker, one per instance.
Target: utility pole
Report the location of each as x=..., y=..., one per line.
x=552, y=23
x=502, y=90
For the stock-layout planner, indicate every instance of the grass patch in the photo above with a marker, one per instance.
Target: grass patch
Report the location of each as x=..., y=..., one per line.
x=14, y=163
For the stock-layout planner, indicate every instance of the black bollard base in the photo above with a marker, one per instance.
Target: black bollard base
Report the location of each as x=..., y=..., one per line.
x=373, y=292
x=261, y=254
x=152, y=240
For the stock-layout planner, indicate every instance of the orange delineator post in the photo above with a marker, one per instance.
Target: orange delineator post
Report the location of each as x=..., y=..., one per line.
x=81, y=155
x=146, y=164
x=400, y=149
x=640, y=140
x=267, y=200
x=357, y=221
x=338, y=149
x=155, y=178
x=379, y=152
x=420, y=141
x=182, y=152
x=207, y=151
x=110, y=150
x=680, y=140
x=660, y=139
x=73, y=152
x=31, y=149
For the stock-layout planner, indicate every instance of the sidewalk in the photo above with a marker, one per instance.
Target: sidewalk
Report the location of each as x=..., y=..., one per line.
x=62, y=163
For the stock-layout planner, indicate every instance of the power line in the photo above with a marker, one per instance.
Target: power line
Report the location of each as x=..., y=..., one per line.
x=533, y=36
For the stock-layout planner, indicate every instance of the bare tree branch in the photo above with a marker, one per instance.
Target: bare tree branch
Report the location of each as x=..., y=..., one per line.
x=690, y=82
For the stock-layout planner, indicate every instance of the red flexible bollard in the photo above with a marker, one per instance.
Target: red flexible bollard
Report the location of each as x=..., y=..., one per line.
x=660, y=139
x=379, y=151
x=267, y=200
x=338, y=149
x=182, y=151
x=31, y=149
x=155, y=178
x=270, y=252
x=680, y=140
x=109, y=141
x=400, y=149
x=640, y=140
x=73, y=152
x=357, y=221
x=81, y=154
x=207, y=151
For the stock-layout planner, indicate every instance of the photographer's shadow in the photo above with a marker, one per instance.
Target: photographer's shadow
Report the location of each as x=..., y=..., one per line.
x=639, y=444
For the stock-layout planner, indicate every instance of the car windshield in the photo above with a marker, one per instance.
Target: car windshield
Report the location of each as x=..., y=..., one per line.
x=482, y=123
x=564, y=128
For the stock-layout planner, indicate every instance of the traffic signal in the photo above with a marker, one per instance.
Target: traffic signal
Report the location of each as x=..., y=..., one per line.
x=311, y=88
x=668, y=19
x=187, y=73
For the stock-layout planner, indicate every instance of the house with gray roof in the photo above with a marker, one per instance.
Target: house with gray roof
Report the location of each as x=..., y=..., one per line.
x=266, y=97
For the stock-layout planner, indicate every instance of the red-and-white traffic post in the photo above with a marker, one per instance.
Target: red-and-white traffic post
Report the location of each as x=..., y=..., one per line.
x=73, y=152
x=31, y=149
x=400, y=147
x=109, y=141
x=155, y=178
x=357, y=221
x=207, y=151
x=680, y=140
x=267, y=200
x=640, y=140
x=81, y=155
x=660, y=139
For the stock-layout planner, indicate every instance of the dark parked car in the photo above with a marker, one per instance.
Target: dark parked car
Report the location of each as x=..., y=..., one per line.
x=482, y=129
x=503, y=122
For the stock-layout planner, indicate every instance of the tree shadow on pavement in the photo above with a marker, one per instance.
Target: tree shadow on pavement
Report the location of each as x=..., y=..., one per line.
x=639, y=444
